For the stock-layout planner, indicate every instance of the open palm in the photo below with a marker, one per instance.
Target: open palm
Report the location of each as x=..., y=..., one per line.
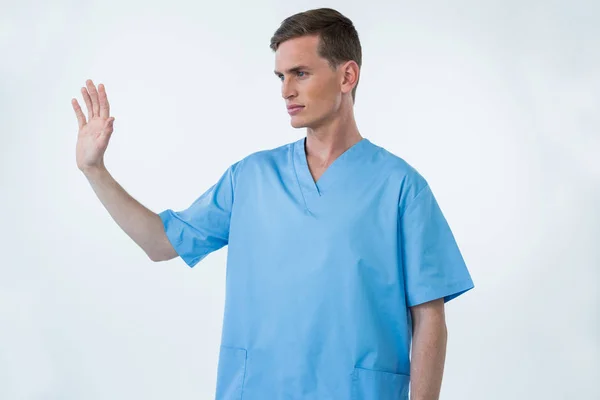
x=94, y=134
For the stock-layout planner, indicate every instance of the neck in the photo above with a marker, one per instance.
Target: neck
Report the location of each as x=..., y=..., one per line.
x=326, y=142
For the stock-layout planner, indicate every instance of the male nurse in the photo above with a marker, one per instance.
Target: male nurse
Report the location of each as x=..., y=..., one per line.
x=339, y=260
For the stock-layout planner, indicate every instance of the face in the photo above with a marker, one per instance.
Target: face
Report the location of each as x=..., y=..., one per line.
x=309, y=81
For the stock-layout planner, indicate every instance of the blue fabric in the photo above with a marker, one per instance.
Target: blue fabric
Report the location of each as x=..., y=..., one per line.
x=320, y=275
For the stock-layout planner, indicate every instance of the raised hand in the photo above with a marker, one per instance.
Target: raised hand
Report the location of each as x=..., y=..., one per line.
x=94, y=134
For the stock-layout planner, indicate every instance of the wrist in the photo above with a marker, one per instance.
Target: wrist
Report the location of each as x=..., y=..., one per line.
x=93, y=171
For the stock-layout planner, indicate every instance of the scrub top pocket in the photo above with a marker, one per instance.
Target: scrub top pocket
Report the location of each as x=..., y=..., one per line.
x=230, y=373
x=368, y=384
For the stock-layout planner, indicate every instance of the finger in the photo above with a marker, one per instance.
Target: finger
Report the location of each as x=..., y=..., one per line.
x=88, y=103
x=78, y=113
x=104, y=106
x=108, y=126
x=94, y=96
x=109, y=122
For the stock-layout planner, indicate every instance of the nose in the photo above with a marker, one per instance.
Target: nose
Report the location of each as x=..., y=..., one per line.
x=287, y=89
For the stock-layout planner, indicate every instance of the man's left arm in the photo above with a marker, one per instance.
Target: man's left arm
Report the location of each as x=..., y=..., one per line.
x=428, y=352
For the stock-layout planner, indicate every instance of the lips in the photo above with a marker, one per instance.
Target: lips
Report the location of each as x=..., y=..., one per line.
x=294, y=110
x=291, y=108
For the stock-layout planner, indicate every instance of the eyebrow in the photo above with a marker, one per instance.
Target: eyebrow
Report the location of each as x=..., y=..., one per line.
x=294, y=69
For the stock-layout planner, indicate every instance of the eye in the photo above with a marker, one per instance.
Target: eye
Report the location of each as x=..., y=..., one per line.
x=298, y=73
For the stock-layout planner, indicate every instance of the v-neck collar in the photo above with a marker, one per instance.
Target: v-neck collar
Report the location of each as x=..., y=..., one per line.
x=336, y=171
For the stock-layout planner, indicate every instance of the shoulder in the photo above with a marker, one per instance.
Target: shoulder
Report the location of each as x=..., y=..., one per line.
x=405, y=176
x=271, y=154
x=258, y=159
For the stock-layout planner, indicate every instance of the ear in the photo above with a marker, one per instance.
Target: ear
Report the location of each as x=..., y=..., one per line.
x=350, y=73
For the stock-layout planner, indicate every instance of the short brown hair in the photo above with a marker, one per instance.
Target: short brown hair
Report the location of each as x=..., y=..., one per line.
x=338, y=39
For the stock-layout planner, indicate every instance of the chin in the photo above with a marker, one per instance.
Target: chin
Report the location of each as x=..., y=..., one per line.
x=297, y=123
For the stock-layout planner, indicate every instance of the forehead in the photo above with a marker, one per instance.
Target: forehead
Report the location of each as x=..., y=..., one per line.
x=298, y=51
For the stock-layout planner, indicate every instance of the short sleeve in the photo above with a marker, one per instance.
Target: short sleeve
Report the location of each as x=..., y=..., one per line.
x=204, y=226
x=432, y=262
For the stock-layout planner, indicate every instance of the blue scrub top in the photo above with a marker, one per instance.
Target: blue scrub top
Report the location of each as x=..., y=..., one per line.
x=320, y=275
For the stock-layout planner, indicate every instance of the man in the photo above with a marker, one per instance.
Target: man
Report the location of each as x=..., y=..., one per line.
x=339, y=256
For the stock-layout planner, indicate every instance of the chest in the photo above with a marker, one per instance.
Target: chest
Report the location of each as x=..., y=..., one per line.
x=316, y=169
x=273, y=223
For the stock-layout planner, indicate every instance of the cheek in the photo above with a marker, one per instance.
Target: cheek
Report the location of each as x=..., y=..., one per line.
x=321, y=92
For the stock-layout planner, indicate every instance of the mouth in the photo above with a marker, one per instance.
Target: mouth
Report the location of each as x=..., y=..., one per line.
x=294, y=110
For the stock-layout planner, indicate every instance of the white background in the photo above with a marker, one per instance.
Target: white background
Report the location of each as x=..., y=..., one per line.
x=496, y=103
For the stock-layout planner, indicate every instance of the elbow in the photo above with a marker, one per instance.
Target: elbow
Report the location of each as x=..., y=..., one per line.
x=153, y=257
x=164, y=254
x=156, y=255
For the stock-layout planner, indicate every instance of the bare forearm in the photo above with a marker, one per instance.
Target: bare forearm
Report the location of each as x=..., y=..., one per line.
x=427, y=359
x=138, y=222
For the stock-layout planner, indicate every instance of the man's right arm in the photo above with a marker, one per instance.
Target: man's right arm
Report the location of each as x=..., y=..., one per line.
x=139, y=223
